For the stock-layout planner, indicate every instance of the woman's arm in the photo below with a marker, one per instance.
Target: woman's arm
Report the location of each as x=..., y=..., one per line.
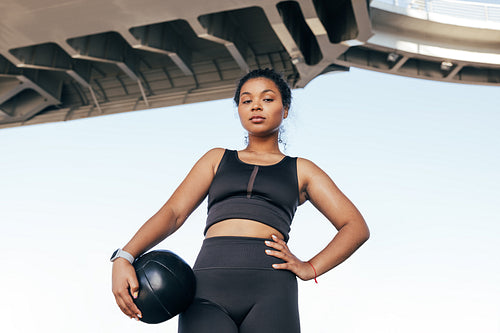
x=185, y=199
x=190, y=193
x=317, y=187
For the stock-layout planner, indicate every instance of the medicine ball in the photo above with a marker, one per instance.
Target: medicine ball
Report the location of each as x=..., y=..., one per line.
x=166, y=285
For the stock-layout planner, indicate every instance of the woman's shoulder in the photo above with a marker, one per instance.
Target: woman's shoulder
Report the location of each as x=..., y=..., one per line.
x=216, y=151
x=213, y=156
x=307, y=168
x=210, y=160
x=305, y=163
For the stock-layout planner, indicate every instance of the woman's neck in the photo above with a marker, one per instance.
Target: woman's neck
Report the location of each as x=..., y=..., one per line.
x=263, y=145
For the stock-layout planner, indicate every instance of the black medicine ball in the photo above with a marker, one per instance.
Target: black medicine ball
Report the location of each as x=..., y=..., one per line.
x=166, y=285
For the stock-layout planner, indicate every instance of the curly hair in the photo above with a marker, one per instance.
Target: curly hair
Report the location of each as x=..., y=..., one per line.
x=271, y=74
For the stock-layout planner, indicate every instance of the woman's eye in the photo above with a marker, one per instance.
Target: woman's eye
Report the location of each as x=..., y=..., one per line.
x=246, y=101
x=268, y=99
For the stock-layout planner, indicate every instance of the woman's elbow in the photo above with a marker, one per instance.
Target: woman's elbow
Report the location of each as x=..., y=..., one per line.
x=364, y=233
x=359, y=230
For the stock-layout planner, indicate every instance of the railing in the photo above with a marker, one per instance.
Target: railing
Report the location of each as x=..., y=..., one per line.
x=457, y=9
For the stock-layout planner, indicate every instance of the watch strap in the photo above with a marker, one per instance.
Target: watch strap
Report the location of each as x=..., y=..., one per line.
x=119, y=253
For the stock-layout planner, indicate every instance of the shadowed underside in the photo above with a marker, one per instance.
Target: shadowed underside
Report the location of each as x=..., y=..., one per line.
x=64, y=60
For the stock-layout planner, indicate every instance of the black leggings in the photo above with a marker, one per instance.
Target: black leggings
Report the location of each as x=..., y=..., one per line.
x=239, y=292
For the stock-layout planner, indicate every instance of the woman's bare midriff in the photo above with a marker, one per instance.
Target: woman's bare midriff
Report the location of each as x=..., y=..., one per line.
x=242, y=228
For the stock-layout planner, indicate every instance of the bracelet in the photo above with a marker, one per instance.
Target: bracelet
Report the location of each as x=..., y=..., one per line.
x=314, y=269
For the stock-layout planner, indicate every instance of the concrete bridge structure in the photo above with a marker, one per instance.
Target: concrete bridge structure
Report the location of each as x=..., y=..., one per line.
x=70, y=59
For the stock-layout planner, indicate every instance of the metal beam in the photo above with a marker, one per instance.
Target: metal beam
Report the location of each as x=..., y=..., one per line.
x=50, y=56
x=109, y=47
x=25, y=105
x=164, y=39
x=220, y=28
x=45, y=84
x=9, y=87
x=300, y=31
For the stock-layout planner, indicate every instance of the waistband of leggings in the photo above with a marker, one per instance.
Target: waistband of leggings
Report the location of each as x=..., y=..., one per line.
x=234, y=252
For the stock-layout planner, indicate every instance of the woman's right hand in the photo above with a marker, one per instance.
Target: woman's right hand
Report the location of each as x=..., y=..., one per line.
x=125, y=284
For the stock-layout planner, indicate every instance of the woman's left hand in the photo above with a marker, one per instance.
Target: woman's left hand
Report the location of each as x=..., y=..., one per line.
x=300, y=268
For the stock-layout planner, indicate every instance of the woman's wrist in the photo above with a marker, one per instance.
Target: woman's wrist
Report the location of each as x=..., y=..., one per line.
x=121, y=261
x=315, y=272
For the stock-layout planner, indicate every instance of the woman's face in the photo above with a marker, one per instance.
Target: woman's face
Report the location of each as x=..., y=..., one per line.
x=260, y=107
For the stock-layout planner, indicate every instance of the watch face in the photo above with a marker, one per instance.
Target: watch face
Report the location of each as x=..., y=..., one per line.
x=114, y=254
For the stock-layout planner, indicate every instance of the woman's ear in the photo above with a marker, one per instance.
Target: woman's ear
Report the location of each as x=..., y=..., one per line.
x=285, y=114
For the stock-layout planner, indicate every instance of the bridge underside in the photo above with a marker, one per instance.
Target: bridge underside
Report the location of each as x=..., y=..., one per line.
x=64, y=60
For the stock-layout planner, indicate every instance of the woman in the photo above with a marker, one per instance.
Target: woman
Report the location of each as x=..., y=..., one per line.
x=246, y=274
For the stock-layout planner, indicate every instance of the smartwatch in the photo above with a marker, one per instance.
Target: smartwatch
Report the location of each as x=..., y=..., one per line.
x=119, y=253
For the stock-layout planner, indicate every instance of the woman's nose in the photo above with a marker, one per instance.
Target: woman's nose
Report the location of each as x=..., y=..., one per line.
x=256, y=106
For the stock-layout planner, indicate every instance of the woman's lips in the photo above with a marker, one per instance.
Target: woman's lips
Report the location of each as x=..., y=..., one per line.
x=257, y=119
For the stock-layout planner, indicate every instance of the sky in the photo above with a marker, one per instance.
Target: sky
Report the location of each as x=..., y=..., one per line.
x=418, y=158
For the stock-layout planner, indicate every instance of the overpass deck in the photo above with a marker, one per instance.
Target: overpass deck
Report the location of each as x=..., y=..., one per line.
x=64, y=60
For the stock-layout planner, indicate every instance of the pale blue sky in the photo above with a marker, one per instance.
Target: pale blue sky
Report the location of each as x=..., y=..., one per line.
x=419, y=159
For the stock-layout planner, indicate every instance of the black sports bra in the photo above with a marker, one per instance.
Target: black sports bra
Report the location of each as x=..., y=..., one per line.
x=265, y=193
